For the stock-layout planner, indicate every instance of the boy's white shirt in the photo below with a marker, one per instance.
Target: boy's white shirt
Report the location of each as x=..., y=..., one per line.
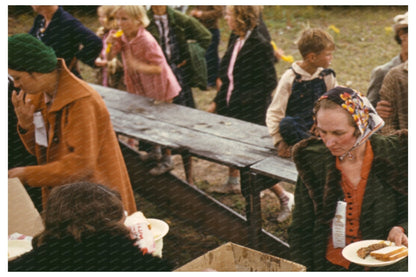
x=277, y=109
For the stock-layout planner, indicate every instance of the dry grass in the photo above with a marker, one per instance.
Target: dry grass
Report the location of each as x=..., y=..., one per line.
x=363, y=41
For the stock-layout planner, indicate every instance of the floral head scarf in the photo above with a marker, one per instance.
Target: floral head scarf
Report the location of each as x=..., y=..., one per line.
x=361, y=110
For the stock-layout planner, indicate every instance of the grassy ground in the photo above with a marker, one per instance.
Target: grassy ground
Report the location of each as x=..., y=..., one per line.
x=363, y=40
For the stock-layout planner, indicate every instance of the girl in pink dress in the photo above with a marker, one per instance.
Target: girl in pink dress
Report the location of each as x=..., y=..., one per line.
x=146, y=70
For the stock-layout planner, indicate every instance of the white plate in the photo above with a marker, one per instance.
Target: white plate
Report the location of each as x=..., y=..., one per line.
x=350, y=253
x=159, y=228
x=18, y=247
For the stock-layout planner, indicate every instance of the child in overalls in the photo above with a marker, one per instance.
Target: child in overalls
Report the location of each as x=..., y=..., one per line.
x=289, y=116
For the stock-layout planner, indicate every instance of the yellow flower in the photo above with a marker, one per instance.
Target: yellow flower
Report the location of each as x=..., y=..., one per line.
x=333, y=28
x=388, y=29
x=288, y=59
x=118, y=34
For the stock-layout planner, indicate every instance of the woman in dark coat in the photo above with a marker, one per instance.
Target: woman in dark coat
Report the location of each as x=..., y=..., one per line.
x=252, y=72
x=85, y=231
x=345, y=167
x=247, y=74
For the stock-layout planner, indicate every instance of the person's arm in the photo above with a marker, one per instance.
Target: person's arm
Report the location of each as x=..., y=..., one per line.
x=388, y=94
x=24, y=110
x=80, y=134
x=196, y=31
x=277, y=109
x=384, y=109
x=376, y=79
x=208, y=15
x=398, y=236
x=91, y=43
x=135, y=65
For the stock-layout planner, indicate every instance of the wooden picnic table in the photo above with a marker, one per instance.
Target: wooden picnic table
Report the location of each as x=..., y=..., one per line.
x=192, y=132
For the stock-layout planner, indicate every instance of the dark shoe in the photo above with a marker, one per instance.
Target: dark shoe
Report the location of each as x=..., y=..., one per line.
x=161, y=168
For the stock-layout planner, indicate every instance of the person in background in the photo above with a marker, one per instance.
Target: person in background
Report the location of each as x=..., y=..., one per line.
x=247, y=75
x=394, y=91
x=67, y=36
x=377, y=75
x=209, y=16
x=85, y=231
x=352, y=184
x=289, y=116
x=146, y=70
x=172, y=30
x=110, y=73
x=63, y=122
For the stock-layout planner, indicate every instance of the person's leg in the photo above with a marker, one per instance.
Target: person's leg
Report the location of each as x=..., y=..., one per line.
x=293, y=130
x=165, y=165
x=233, y=182
x=212, y=58
x=286, y=202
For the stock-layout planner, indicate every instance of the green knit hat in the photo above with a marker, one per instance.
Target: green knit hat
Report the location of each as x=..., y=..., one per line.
x=27, y=53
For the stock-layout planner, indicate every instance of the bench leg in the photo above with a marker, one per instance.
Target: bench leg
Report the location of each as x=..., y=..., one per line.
x=253, y=206
x=187, y=165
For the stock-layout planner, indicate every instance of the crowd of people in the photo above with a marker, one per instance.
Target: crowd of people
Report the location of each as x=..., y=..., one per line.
x=350, y=150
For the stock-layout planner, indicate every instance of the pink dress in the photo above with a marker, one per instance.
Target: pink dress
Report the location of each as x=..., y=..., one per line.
x=144, y=47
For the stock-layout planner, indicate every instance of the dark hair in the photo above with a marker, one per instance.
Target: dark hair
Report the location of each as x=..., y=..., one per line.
x=400, y=32
x=328, y=104
x=81, y=209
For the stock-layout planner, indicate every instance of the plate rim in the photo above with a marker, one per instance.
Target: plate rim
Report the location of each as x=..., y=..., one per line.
x=159, y=236
x=27, y=244
x=363, y=243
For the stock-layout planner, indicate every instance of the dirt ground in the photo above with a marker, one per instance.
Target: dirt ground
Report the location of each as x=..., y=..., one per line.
x=184, y=241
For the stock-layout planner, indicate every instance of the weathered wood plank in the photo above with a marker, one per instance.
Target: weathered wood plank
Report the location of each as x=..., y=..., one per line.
x=194, y=119
x=276, y=167
x=204, y=145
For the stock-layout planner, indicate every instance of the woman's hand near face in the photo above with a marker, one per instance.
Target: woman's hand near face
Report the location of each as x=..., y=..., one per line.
x=24, y=109
x=397, y=236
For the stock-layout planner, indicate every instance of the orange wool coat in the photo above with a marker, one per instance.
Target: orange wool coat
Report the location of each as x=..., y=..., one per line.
x=82, y=145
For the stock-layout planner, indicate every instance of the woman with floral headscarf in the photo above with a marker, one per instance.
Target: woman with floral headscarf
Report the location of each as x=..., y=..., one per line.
x=352, y=184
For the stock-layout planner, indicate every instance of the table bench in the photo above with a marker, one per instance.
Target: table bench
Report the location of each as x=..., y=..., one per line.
x=264, y=174
x=192, y=132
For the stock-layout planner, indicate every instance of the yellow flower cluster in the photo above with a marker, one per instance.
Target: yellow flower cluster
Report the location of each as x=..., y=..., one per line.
x=118, y=34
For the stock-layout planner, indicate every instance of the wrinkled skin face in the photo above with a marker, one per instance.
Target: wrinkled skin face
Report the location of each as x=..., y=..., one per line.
x=335, y=129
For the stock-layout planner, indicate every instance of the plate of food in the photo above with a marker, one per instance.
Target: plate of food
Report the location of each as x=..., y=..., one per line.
x=18, y=247
x=374, y=253
x=158, y=227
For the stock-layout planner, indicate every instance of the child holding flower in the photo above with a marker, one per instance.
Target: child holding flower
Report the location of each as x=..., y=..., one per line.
x=146, y=70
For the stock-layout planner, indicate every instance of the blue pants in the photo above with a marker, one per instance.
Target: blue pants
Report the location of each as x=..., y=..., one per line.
x=293, y=129
x=212, y=58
